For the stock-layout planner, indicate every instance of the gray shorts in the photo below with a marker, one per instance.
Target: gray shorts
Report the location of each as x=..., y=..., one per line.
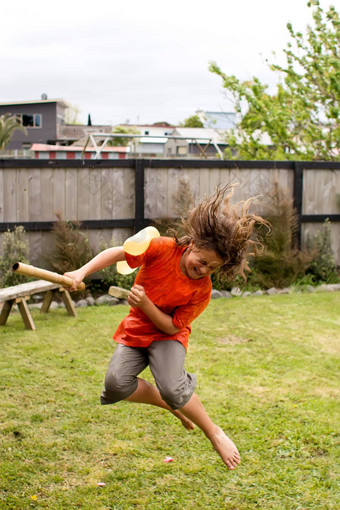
x=166, y=361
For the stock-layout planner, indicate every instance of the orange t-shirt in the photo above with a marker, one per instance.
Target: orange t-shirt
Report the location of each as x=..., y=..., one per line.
x=169, y=289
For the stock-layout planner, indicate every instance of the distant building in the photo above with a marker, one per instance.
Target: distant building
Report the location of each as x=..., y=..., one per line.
x=217, y=120
x=45, y=151
x=195, y=142
x=148, y=144
x=44, y=121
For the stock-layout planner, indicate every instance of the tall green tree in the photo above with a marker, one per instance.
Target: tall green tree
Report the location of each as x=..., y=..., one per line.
x=8, y=125
x=301, y=120
x=192, y=122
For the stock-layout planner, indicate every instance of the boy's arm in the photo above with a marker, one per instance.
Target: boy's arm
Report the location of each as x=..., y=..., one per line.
x=161, y=320
x=103, y=259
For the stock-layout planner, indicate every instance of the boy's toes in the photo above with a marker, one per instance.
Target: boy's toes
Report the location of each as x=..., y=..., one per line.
x=226, y=449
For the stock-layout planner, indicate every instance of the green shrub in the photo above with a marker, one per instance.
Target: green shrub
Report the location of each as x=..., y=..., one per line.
x=279, y=269
x=281, y=262
x=72, y=248
x=14, y=249
x=323, y=267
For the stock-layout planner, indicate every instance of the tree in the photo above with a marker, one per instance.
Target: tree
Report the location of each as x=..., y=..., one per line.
x=193, y=122
x=8, y=125
x=123, y=141
x=301, y=120
x=71, y=116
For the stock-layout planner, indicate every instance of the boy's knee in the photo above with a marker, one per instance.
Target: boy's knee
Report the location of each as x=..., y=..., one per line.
x=174, y=401
x=117, y=388
x=177, y=396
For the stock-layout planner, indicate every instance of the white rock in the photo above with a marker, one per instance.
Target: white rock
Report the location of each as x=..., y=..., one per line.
x=286, y=290
x=331, y=287
x=236, y=292
x=272, y=291
x=216, y=294
x=81, y=303
x=90, y=301
x=105, y=299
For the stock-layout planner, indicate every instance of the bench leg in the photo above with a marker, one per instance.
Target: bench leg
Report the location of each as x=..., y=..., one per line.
x=47, y=301
x=65, y=296
x=25, y=313
x=6, y=311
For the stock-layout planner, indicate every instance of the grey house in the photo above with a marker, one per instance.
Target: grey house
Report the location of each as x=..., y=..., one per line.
x=43, y=120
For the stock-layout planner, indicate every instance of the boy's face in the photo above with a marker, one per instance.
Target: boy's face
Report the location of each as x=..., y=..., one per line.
x=198, y=263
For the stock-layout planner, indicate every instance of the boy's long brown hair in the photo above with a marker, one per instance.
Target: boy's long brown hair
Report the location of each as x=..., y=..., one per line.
x=228, y=230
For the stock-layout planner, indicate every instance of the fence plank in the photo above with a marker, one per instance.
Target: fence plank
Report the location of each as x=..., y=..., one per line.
x=58, y=197
x=10, y=195
x=47, y=180
x=320, y=189
x=34, y=208
x=2, y=195
x=71, y=194
x=83, y=198
x=23, y=193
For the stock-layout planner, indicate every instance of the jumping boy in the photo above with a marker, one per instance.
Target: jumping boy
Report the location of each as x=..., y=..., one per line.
x=171, y=289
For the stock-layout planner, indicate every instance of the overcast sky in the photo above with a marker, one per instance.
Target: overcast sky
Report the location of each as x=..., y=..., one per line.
x=142, y=61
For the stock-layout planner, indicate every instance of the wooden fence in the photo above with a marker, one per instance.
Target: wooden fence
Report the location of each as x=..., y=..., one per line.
x=112, y=199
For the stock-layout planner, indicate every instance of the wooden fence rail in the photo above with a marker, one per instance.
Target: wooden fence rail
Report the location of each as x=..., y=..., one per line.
x=113, y=198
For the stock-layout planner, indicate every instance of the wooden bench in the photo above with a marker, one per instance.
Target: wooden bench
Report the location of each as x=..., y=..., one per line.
x=20, y=294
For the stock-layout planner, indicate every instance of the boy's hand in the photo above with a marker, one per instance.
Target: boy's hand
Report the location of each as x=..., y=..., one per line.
x=77, y=278
x=137, y=296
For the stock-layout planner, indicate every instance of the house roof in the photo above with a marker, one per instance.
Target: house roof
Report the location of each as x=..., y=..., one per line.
x=203, y=134
x=37, y=101
x=218, y=120
x=151, y=139
x=155, y=125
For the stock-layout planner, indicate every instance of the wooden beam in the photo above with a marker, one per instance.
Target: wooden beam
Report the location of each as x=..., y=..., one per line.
x=69, y=305
x=6, y=309
x=47, y=301
x=25, y=313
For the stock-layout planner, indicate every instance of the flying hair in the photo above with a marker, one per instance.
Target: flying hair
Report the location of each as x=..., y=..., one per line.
x=229, y=230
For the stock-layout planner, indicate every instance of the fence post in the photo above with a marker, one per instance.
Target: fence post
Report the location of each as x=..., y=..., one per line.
x=298, y=195
x=139, y=194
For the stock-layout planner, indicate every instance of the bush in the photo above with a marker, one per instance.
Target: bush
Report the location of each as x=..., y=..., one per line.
x=323, y=267
x=110, y=275
x=281, y=262
x=72, y=248
x=15, y=249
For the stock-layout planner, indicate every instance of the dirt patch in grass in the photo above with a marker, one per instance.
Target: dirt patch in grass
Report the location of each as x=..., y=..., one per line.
x=233, y=339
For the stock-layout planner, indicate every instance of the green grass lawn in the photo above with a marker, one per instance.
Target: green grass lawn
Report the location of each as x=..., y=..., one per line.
x=267, y=370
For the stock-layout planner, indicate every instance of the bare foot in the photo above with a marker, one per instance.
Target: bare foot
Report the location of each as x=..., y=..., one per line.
x=185, y=421
x=225, y=448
